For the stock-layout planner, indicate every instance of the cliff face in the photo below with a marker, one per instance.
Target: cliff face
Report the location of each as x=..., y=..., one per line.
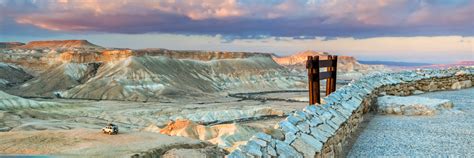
x=12, y=75
x=345, y=63
x=299, y=58
x=142, y=75
x=59, y=44
x=198, y=55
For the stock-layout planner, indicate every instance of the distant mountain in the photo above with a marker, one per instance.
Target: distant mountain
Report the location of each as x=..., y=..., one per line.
x=141, y=75
x=298, y=58
x=411, y=65
x=59, y=44
x=10, y=44
x=345, y=63
x=393, y=63
x=460, y=63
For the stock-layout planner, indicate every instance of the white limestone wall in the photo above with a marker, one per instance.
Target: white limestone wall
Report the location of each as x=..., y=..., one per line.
x=320, y=131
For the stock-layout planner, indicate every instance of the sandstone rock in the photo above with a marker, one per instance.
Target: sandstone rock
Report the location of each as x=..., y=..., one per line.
x=224, y=135
x=461, y=84
x=411, y=105
x=462, y=72
x=59, y=44
x=229, y=115
x=432, y=87
x=347, y=64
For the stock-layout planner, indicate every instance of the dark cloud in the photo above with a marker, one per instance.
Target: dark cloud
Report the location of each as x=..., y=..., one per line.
x=242, y=19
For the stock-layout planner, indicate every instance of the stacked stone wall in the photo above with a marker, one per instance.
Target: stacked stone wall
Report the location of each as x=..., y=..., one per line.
x=324, y=130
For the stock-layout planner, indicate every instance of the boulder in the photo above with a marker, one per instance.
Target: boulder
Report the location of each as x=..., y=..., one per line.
x=461, y=84
x=411, y=105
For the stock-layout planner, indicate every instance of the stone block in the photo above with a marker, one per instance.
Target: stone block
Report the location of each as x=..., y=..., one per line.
x=293, y=119
x=327, y=129
x=271, y=151
x=237, y=154
x=286, y=126
x=260, y=142
x=319, y=134
x=303, y=126
x=311, y=109
x=307, y=145
x=284, y=150
x=263, y=136
x=315, y=121
x=289, y=137
x=253, y=148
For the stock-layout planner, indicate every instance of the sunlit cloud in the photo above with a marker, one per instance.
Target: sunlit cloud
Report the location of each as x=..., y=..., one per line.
x=332, y=18
x=432, y=30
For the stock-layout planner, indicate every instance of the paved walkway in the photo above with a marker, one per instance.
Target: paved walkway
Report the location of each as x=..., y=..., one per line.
x=447, y=134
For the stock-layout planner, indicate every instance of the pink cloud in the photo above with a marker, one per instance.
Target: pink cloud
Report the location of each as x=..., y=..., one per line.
x=282, y=18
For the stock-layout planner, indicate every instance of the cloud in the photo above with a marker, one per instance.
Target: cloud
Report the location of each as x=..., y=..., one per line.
x=247, y=18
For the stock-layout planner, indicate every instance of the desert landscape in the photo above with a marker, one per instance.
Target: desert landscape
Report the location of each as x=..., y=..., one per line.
x=57, y=96
x=219, y=98
x=76, y=85
x=236, y=78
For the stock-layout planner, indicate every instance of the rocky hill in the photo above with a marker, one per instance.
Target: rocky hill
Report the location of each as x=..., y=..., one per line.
x=59, y=44
x=348, y=66
x=144, y=75
x=11, y=75
x=456, y=64
x=345, y=63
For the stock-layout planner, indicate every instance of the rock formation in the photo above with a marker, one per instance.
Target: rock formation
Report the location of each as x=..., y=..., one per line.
x=11, y=75
x=225, y=135
x=79, y=69
x=8, y=101
x=59, y=44
x=346, y=64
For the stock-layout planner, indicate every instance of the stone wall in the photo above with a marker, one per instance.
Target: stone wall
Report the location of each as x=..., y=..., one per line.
x=323, y=131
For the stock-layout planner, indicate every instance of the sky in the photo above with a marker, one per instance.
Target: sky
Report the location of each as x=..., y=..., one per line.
x=434, y=31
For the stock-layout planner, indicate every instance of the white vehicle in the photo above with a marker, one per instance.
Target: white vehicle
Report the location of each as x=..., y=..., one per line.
x=110, y=129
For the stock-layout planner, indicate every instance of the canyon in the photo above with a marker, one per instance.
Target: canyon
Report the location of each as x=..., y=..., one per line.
x=219, y=99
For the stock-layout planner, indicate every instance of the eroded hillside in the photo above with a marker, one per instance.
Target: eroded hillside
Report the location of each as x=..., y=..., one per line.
x=78, y=70
x=348, y=66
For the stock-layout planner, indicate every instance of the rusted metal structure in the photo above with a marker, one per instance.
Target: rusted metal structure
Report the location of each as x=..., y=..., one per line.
x=313, y=64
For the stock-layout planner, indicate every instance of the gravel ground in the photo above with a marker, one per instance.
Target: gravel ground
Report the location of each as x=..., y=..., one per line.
x=450, y=133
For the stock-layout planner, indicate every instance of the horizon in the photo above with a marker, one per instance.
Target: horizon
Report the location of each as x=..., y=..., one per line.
x=438, y=32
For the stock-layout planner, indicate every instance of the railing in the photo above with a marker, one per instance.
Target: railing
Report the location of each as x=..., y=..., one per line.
x=313, y=64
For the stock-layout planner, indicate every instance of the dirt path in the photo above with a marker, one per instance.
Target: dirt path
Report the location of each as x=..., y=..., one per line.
x=446, y=134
